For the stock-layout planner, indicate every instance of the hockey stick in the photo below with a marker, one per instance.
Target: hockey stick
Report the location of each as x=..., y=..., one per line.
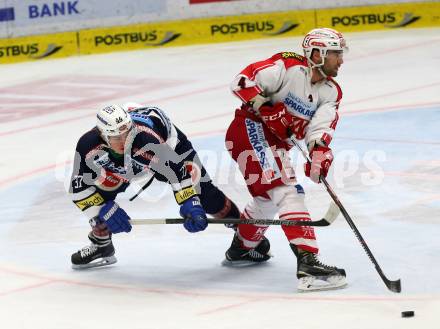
x=330, y=216
x=142, y=188
x=394, y=286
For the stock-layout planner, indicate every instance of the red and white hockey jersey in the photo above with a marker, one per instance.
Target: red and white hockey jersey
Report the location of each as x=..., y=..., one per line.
x=286, y=77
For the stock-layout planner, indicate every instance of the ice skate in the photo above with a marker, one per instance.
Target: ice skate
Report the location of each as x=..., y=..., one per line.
x=313, y=275
x=238, y=256
x=94, y=255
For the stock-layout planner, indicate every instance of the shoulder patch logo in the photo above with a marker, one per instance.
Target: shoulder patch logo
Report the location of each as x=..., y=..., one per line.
x=291, y=54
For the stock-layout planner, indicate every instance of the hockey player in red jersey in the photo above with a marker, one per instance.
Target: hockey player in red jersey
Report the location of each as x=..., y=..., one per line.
x=286, y=96
x=134, y=142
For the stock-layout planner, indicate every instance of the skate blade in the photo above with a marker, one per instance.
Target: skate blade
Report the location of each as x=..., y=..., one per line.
x=309, y=283
x=242, y=263
x=96, y=263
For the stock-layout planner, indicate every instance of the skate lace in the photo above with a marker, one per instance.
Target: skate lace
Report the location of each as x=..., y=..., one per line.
x=88, y=250
x=255, y=254
x=317, y=262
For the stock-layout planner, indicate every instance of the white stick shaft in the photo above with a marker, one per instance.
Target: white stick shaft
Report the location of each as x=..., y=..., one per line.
x=147, y=221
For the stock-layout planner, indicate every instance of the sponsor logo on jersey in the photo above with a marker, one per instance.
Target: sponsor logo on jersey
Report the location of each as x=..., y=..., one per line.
x=183, y=195
x=298, y=107
x=290, y=54
x=31, y=50
x=150, y=38
x=94, y=200
x=109, y=181
x=264, y=154
x=105, y=162
x=101, y=160
x=387, y=20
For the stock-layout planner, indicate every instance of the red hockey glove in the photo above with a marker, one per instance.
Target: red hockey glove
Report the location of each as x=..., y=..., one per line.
x=277, y=119
x=322, y=158
x=281, y=122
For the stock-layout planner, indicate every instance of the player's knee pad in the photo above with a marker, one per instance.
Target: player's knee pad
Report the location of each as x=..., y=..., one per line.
x=257, y=208
x=291, y=206
x=288, y=198
x=260, y=208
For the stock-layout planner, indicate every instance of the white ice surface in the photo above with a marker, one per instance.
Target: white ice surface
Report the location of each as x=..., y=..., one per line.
x=386, y=172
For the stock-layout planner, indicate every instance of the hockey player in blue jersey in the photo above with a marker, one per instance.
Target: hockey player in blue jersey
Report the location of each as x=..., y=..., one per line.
x=134, y=141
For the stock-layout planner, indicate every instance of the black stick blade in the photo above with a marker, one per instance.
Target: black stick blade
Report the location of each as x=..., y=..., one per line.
x=321, y=222
x=394, y=286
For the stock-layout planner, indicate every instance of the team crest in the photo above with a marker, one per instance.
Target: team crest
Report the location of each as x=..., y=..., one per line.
x=109, y=181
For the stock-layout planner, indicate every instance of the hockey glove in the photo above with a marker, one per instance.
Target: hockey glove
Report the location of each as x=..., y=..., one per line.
x=322, y=158
x=194, y=215
x=115, y=217
x=282, y=123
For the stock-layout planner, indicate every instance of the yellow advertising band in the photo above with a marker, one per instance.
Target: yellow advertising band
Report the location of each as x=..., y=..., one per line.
x=218, y=29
